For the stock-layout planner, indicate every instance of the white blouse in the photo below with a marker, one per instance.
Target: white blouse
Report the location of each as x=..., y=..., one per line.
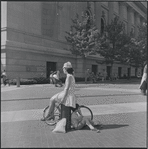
x=71, y=98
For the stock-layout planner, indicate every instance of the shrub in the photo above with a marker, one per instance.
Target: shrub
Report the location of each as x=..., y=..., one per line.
x=42, y=80
x=79, y=79
x=22, y=81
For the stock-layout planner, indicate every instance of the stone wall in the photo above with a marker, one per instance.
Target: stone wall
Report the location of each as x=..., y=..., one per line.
x=32, y=35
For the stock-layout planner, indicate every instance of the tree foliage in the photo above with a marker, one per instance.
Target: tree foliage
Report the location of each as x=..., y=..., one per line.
x=114, y=41
x=135, y=53
x=83, y=36
x=142, y=41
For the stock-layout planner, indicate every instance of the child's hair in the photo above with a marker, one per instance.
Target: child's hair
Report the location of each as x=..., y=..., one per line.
x=70, y=70
x=73, y=109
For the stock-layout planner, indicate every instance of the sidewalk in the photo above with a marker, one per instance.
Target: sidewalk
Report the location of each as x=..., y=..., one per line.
x=45, y=91
x=119, y=130
x=121, y=109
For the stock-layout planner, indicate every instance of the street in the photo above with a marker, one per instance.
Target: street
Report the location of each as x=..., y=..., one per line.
x=119, y=107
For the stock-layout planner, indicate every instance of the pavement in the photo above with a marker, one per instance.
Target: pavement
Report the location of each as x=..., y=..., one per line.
x=119, y=106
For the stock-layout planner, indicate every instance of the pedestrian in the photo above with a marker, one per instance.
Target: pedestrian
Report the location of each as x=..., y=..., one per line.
x=67, y=96
x=115, y=76
x=98, y=76
x=51, y=77
x=3, y=75
x=143, y=84
x=78, y=121
x=87, y=75
x=56, y=76
x=93, y=77
x=104, y=75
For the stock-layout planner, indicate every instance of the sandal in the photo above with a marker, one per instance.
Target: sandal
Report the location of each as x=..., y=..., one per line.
x=47, y=118
x=95, y=129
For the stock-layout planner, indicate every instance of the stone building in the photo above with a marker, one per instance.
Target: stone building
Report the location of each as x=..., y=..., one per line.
x=33, y=35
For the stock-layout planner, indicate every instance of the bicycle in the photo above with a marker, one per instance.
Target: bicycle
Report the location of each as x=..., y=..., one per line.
x=85, y=111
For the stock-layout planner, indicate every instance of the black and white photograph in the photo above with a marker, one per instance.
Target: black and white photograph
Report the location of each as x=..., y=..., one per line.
x=74, y=74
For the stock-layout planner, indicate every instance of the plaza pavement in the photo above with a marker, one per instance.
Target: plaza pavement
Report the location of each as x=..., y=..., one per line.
x=120, y=107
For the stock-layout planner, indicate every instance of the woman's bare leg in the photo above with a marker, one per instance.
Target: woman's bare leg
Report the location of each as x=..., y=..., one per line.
x=51, y=106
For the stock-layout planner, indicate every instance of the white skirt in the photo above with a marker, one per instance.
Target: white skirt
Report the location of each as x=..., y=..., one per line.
x=71, y=99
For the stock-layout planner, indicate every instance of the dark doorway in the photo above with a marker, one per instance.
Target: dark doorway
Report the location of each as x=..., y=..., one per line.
x=94, y=69
x=128, y=72
x=108, y=71
x=50, y=66
x=119, y=71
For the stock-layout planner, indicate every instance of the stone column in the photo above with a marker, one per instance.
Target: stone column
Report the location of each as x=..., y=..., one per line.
x=137, y=21
x=121, y=10
x=97, y=9
x=111, y=6
x=129, y=17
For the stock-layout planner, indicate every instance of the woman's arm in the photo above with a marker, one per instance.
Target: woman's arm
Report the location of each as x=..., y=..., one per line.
x=67, y=85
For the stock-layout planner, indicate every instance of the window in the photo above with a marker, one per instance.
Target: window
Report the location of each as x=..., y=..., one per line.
x=88, y=14
x=132, y=32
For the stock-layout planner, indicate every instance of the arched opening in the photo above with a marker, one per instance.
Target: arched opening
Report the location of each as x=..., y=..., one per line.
x=102, y=26
x=88, y=14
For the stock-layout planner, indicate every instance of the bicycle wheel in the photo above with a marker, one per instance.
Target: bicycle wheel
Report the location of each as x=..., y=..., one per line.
x=85, y=111
x=54, y=120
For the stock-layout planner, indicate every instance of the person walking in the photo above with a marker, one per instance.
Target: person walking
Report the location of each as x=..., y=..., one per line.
x=104, y=75
x=4, y=77
x=143, y=84
x=67, y=96
x=87, y=75
x=56, y=76
x=51, y=77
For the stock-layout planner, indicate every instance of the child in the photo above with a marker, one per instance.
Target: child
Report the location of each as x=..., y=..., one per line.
x=78, y=121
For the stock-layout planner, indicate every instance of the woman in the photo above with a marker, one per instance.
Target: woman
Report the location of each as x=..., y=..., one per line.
x=56, y=77
x=143, y=84
x=78, y=121
x=67, y=96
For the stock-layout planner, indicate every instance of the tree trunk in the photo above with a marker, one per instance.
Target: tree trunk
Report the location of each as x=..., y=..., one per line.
x=84, y=65
x=111, y=74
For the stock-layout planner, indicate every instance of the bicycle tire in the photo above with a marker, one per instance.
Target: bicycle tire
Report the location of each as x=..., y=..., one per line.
x=86, y=111
x=52, y=121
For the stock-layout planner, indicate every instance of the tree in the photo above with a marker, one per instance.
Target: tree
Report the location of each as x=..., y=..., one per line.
x=83, y=36
x=113, y=42
x=142, y=42
x=135, y=53
x=130, y=54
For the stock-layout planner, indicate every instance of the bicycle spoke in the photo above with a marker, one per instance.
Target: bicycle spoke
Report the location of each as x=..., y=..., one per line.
x=51, y=121
x=86, y=112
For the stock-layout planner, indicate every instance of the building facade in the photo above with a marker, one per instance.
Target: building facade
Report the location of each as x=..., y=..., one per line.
x=33, y=35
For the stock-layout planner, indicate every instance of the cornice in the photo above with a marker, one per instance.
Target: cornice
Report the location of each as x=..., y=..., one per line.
x=137, y=9
x=139, y=4
x=104, y=6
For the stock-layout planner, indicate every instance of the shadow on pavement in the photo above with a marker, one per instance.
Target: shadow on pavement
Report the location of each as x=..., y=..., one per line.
x=108, y=126
x=112, y=126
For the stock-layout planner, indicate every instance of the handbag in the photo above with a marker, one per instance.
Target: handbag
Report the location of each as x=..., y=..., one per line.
x=143, y=85
x=60, y=126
